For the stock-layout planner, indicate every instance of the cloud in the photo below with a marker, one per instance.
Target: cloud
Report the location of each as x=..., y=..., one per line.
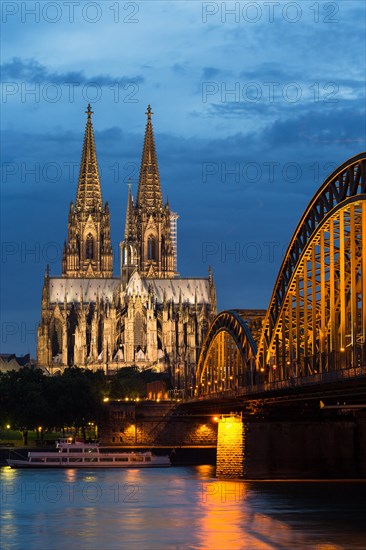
x=179, y=69
x=30, y=70
x=210, y=72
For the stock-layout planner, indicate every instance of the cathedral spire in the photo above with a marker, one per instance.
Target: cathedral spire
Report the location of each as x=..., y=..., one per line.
x=46, y=288
x=88, y=252
x=89, y=195
x=150, y=232
x=149, y=194
x=130, y=224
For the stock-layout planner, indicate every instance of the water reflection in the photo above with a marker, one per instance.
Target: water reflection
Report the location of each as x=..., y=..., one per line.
x=70, y=475
x=8, y=525
x=8, y=474
x=176, y=508
x=230, y=521
x=205, y=471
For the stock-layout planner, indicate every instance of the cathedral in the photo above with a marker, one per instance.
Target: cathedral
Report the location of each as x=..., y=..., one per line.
x=148, y=316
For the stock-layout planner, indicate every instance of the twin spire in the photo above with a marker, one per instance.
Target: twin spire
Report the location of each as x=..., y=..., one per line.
x=149, y=229
x=89, y=194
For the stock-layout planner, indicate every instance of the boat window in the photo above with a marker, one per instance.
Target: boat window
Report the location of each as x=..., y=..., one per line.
x=36, y=460
x=64, y=459
x=64, y=450
x=137, y=458
x=122, y=459
x=92, y=450
x=76, y=450
x=106, y=459
x=147, y=458
x=75, y=459
x=52, y=460
x=90, y=459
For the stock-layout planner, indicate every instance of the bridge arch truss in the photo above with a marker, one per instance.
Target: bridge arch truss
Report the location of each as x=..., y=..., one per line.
x=316, y=319
x=227, y=358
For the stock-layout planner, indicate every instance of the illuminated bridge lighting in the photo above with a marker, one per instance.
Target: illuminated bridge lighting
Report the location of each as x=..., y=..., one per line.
x=316, y=320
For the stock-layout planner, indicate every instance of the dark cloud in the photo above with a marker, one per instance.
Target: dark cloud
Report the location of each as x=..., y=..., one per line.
x=343, y=125
x=271, y=72
x=209, y=73
x=30, y=70
x=179, y=69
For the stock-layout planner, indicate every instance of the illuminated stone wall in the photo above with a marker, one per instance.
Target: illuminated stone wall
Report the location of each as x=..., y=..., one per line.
x=230, y=447
x=156, y=424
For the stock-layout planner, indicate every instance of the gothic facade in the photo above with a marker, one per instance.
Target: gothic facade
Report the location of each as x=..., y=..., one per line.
x=148, y=316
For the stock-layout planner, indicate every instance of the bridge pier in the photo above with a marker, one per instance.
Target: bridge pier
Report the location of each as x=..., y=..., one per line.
x=230, y=457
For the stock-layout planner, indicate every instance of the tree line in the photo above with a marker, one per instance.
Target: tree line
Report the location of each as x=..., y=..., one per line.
x=30, y=399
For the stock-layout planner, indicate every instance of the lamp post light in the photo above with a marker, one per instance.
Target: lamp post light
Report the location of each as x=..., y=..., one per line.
x=7, y=436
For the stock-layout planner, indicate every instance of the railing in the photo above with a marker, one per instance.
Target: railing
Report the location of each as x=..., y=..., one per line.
x=300, y=381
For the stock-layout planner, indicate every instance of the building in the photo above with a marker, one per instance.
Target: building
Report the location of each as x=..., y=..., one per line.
x=9, y=361
x=148, y=316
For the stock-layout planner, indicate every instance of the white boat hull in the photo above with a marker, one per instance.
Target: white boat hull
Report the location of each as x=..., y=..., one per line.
x=91, y=465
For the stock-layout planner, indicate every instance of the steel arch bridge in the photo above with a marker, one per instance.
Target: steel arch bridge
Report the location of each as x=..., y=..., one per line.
x=227, y=358
x=316, y=319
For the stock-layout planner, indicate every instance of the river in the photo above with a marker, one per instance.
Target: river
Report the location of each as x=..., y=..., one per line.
x=178, y=508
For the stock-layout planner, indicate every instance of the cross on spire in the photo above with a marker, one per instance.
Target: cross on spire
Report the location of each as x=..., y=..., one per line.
x=89, y=112
x=149, y=112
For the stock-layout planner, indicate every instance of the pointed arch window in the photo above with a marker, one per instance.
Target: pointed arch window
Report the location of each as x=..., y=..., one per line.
x=89, y=247
x=151, y=248
x=128, y=255
x=125, y=255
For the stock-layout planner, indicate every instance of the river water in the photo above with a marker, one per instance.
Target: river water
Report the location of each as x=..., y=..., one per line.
x=176, y=508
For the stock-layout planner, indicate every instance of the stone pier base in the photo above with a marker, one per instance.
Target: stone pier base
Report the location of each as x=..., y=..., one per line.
x=230, y=459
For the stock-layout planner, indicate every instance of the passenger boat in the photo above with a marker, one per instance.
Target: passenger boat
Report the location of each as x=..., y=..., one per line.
x=88, y=455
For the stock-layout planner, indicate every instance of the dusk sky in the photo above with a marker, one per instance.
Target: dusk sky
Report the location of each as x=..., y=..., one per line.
x=254, y=103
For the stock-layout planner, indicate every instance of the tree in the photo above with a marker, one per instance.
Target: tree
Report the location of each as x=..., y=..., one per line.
x=30, y=399
x=22, y=400
x=127, y=382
